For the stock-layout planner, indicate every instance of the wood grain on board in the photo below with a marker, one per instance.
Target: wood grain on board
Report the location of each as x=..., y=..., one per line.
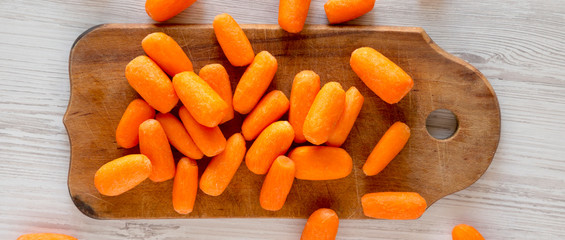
x=434, y=168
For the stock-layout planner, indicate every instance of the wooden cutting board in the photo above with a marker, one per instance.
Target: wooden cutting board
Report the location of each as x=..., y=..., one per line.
x=434, y=168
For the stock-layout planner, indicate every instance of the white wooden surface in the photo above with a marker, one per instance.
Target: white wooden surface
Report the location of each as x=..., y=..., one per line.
x=518, y=44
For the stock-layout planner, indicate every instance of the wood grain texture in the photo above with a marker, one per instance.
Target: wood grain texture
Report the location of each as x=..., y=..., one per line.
x=434, y=168
x=517, y=45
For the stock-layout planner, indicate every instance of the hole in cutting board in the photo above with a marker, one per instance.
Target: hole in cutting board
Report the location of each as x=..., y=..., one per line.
x=442, y=124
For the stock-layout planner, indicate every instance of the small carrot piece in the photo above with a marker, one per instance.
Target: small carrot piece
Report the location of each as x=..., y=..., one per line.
x=122, y=174
x=321, y=162
x=292, y=14
x=305, y=87
x=339, y=11
x=154, y=86
x=272, y=142
x=185, y=186
x=153, y=143
x=210, y=141
x=277, y=184
x=45, y=236
x=353, y=103
x=386, y=79
x=203, y=103
x=163, y=10
x=178, y=136
x=166, y=52
x=321, y=225
x=466, y=232
x=217, y=77
x=254, y=82
x=393, y=205
x=324, y=113
x=268, y=110
x=127, y=134
x=233, y=40
x=387, y=148
x=222, y=168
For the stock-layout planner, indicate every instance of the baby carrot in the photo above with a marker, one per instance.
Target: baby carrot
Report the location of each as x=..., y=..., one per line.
x=151, y=83
x=387, y=148
x=166, y=52
x=267, y=111
x=203, y=103
x=324, y=113
x=339, y=11
x=466, y=232
x=254, y=82
x=393, y=205
x=381, y=75
x=233, y=40
x=185, y=186
x=292, y=14
x=272, y=142
x=277, y=184
x=127, y=135
x=210, y=141
x=222, y=167
x=45, y=236
x=153, y=143
x=163, y=10
x=178, y=136
x=122, y=174
x=321, y=225
x=353, y=103
x=217, y=77
x=321, y=162
x=305, y=86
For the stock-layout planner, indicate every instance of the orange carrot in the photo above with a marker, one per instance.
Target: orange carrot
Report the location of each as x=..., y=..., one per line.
x=163, y=10
x=324, y=113
x=393, y=205
x=178, y=136
x=122, y=174
x=151, y=83
x=185, y=186
x=127, y=135
x=353, y=103
x=166, y=52
x=45, y=236
x=305, y=87
x=321, y=162
x=292, y=14
x=277, y=184
x=268, y=110
x=272, y=142
x=466, y=232
x=387, y=148
x=153, y=143
x=210, y=141
x=222, y=167
x=381, y=75
x=217, y=77
x=254, y=82
x=233, y=40
x=339, y=11
x=321, y=225
x=203, y=103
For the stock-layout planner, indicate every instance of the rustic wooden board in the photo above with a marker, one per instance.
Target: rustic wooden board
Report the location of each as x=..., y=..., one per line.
x=434, y=168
